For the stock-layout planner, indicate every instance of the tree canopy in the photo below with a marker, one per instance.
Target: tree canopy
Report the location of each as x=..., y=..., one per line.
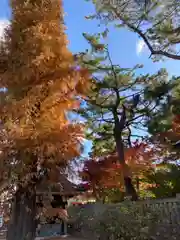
x=131, y=118
x=42, y=85
x=155, y=21
x=120, y=103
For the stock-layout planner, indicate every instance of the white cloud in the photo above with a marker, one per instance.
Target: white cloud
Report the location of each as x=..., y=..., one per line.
x=3, y=24
x=140, y=46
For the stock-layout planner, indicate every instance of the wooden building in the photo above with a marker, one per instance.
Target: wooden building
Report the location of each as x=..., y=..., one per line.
x=52, y=198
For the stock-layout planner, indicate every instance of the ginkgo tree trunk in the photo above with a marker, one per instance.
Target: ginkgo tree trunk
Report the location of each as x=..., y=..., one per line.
x=42, y=84
x=23, y=221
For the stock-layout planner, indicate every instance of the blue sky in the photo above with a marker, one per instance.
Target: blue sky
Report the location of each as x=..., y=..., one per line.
x=122, y=43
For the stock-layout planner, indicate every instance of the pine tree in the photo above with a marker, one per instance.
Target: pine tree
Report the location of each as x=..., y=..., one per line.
x=120, y=104
x=156, y=22
x=43, y=84
x=164, y=127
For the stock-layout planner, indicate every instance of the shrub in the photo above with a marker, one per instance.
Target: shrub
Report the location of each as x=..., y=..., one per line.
x=114, y=222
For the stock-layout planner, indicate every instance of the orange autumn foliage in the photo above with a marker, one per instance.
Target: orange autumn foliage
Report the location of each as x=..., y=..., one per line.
x=106, y=172
x=176, y=125
x=43, y=83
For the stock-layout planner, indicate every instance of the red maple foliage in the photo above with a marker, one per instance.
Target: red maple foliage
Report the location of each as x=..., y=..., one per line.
x=176, y=125
x=106, y=172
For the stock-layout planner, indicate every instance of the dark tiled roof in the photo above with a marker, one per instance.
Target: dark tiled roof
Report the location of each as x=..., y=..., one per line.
x=63, y=187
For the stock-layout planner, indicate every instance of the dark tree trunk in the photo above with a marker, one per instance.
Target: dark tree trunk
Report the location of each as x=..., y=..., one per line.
x=119, y=125
x=23, y=222
x=130, y=190
x=137, y=183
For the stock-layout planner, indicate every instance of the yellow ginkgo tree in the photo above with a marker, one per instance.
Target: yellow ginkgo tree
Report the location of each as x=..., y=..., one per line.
x=42, y=85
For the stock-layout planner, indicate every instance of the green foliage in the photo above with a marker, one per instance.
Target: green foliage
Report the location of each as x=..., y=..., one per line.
x=146, y=194
x=169, y=107
x=117, y=91
x=165, y=181
x=113, y=195
x=161, y=126
x=125, y=222
x=155, y=21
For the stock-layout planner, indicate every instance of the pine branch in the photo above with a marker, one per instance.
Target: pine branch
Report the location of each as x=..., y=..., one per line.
x=143, y=36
